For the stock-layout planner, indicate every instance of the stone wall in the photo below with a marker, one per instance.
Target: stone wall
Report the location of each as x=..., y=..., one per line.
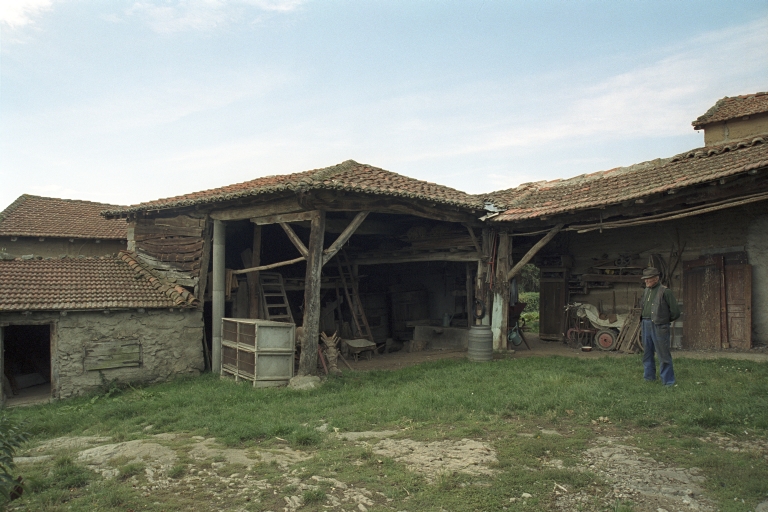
x=167, y=343
x=731, y=230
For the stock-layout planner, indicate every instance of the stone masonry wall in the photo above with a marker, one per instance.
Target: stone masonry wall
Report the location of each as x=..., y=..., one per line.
x=171, y=345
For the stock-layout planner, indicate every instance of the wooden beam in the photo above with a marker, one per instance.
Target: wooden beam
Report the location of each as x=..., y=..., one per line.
x=533, y=250
x=331, y=251
x=312, y=290
x=284, y=217
x=474, y=240
x=295, y=240
x=411, y=258
x=270, y=266
x=254, y=311
x=260, y=209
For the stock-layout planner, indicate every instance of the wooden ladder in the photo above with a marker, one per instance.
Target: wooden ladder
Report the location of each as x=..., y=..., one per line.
x=349, y=284
x=274, y=302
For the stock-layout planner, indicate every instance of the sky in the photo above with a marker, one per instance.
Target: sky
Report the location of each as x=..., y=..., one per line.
x=123, y=102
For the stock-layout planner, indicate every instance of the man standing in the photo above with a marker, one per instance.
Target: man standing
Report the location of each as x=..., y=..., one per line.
x=659, y=309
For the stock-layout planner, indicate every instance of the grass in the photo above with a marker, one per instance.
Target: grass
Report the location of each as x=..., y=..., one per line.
x=494, y=402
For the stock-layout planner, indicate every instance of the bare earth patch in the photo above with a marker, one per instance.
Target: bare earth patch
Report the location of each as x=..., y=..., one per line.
x=229, y=478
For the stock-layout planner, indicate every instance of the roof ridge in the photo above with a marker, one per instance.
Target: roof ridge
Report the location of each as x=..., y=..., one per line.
x=178, y=294
x=15, y=204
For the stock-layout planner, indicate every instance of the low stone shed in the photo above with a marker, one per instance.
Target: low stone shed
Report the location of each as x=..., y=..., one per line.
x=71, y=325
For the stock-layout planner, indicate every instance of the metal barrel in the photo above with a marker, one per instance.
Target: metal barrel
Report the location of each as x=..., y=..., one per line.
x=480, y=346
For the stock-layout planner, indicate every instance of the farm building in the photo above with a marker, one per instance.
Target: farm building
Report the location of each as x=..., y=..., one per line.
x=76, y=310
x=46, y=227
x=390, y=261
x=701, y=217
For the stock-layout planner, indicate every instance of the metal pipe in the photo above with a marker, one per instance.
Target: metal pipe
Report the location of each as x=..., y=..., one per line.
x=218, y=295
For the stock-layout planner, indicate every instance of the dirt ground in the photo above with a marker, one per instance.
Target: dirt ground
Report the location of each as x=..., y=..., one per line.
x=539, y=348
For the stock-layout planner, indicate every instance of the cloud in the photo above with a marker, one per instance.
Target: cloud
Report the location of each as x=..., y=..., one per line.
x=17, y=13
x=203, y=15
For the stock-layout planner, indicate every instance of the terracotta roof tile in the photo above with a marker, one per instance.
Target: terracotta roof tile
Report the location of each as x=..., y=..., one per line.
x=85, y=283
x=615, y=186
x=347, y=176
x=66, y=218
x=731, y=108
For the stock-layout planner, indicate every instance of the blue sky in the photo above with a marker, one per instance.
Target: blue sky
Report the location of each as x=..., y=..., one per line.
x=128, y=101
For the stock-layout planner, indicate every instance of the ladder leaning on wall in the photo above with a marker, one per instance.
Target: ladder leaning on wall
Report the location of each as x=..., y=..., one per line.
x=274, y=301
x=349, y=284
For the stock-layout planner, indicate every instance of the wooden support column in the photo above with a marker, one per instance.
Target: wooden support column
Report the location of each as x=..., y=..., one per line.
x=219, y=276
x=2, y=367
x=480, y=280
x=253, y=278
x=312, y=282
x=500, y=315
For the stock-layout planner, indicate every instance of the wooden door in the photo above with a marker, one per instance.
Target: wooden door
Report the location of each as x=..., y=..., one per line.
x=738, y=293
x=553, y=297
x=717, y=294
x=702, y=300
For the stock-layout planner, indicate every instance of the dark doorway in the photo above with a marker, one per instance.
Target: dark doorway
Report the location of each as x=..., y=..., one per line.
x=27, y=362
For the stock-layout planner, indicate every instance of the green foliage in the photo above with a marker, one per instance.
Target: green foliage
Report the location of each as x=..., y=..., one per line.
x=528, y=278
x=531, y=299
x=12, y=435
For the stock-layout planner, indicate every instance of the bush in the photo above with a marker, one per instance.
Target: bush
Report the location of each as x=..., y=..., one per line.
x=11, y=437
x=531, y=299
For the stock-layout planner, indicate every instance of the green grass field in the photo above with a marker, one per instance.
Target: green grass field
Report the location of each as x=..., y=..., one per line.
x=505, y=404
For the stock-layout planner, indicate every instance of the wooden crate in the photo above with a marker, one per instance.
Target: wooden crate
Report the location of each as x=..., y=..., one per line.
x=260, y=351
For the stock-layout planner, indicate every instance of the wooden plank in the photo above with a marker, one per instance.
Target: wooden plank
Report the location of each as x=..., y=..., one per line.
x=268, y=267
x=159, y=248
x=182, y=221
x=112, y=354
x=312, y=290
x=143, y=229
x=331, y=251
x=701, y=299
x=532, y=251
x=294, y=238
x=720, y=262
x=284, y=217
x=253, y=277
x=263, y=208
x=610, y=278
x=738, y=285
x=205, y=262
x=414, y=257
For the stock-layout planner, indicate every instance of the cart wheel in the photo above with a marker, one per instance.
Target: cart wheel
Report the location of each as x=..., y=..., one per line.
x=605, y=339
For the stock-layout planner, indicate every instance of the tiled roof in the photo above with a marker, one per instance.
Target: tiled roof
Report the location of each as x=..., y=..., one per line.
x=731, y=108
x=85, y=283
x=347, y=176
x=66, y=218
x=615, y=186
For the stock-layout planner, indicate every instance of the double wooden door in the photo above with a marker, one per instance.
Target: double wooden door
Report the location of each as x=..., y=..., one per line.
x=717, y=299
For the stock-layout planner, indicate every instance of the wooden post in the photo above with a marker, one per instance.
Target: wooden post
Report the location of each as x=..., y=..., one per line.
x=2, y=367
x=253, y=278
x=312, y=282
x=480, y=283
x=500, y=316
x=219, y=276
x=469, y=289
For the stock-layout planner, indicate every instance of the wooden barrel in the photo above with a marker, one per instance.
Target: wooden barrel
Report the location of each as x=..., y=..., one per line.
x=480, y=346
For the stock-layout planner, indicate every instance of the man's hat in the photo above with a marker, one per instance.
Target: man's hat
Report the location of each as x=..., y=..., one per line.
x=650, y=272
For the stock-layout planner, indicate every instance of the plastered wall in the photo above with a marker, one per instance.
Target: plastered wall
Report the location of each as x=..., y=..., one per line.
x=55, y=247
x=171, y=345
x=735, y=129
